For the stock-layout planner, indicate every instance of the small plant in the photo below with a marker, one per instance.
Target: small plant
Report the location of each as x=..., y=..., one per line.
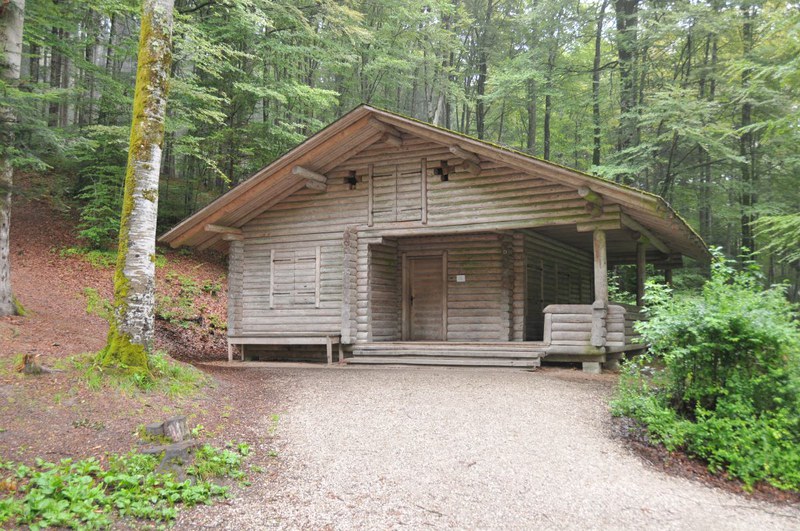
x=85, y=495
x=212, y=288
x=96, y=304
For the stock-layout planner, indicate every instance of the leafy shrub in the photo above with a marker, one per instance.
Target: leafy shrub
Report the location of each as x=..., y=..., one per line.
x=83, y=494
x=729, y=388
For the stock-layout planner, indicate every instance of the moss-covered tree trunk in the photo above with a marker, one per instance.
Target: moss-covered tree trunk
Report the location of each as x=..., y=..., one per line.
x=11, y=19
x=130, y=335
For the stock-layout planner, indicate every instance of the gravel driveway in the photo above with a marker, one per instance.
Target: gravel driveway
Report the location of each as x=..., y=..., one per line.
x=390, y=448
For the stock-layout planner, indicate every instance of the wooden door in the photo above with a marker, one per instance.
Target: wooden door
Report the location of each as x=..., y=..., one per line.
x=426, y=298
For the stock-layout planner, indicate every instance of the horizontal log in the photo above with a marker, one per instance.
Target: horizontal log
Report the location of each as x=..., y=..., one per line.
x=461, y=153
x=310, y=175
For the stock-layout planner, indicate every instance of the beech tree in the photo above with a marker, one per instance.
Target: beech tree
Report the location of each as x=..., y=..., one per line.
x=131, y=331
x=11, y=20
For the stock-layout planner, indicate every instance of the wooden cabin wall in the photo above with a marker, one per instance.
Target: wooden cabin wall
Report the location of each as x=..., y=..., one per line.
x=478, y=309
x=498, y=195
x=303, y=222
x=235, y=278
x=555, y=274
x=385, y=285
x=310, y=219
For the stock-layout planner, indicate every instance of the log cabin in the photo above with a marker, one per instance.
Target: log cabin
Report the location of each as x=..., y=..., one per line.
x=384, y=240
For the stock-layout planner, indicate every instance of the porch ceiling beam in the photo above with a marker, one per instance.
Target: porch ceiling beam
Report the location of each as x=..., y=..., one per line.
x=643, y=231
x=462, y=153
x=221, y=229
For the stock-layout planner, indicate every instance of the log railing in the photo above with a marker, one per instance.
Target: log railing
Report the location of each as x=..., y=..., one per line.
x=573, y=328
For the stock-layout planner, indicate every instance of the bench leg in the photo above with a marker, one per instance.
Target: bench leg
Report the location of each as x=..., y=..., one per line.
x=241, y=349
x=329, y=349
x=341, y=353
x=230, y=353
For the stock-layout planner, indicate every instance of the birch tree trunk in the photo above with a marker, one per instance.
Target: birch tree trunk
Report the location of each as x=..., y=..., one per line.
x=131, y=331
x=11, y=19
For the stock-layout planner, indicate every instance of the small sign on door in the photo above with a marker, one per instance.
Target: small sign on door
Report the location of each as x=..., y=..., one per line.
x=461, y=278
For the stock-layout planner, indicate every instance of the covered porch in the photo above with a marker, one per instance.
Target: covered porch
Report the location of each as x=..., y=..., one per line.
x=498, y=298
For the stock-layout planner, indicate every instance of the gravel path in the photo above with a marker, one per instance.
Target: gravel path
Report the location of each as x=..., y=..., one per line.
x=390, y=448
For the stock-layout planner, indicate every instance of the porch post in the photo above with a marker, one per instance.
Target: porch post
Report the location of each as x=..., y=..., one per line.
x=641, y=271
x=600, y=306
x=668, y=275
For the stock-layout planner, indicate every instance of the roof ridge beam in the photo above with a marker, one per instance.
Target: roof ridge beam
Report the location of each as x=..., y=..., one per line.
x=391, y=135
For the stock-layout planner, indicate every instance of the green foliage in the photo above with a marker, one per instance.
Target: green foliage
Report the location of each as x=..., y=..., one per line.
x=729, y=389
x=782, y=232
x=86, y=495
x=101, y=157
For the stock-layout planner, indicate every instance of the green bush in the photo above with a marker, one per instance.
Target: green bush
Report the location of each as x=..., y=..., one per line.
x=728, y=386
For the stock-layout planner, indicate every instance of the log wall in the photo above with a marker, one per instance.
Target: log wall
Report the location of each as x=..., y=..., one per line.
x=384, y=293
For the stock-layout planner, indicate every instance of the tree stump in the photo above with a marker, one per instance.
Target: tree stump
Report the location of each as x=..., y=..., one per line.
x=30, y=364
x=175, y=428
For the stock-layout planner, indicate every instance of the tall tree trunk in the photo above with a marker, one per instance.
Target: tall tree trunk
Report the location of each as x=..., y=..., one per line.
x=11, y=20
x=598, y=40
x=483, y=68
x=131, y=331
x=55, y=78
x=747, y=140
x=627, y=22
x=532, y=108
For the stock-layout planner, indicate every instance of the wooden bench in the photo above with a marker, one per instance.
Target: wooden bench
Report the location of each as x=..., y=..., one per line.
x=287, y=339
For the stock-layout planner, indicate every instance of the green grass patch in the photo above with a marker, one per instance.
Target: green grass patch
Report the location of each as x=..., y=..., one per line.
x=102, y=258
x=89, y=495
x=165, y=376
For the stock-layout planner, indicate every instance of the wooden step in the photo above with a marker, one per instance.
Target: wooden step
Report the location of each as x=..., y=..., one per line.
x=444, y=361
x=447, y=346
x=451, y=352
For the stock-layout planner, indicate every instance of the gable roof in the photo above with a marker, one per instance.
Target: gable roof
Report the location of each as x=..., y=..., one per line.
x=364, y=126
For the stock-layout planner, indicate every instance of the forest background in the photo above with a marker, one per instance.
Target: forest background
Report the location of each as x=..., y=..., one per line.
x=698, y=101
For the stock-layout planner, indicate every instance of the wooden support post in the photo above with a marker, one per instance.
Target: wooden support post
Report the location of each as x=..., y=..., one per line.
x=600, y=266
x=230, y=353
x=600, y=306
x=341, y=353
x=668, y=276
x=329, y=349
x=641, y=271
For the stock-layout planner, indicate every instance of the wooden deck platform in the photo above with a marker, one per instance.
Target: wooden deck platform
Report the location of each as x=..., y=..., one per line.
x=517, y=354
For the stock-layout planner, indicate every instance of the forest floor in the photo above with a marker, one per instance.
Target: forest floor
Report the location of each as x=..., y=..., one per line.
x=290, y=417
x=59, y=415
